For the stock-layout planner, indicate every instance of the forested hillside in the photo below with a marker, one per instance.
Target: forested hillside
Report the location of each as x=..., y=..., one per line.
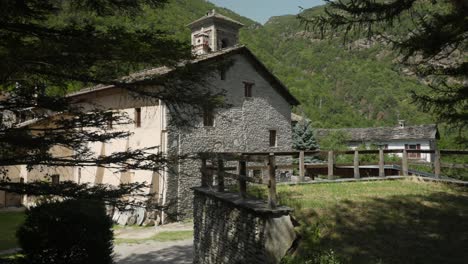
x=339, y=85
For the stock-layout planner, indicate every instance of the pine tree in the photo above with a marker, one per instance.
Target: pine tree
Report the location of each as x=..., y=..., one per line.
x=430, y=36
x=49, y=48
x=303, y=136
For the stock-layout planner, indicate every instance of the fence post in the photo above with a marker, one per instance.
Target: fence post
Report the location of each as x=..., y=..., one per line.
x=331, y=163
x=272, y=181
x=437, y=163
x=405, y=163
x=204, y=173
x=220, y=175
x=242, y=178
x=381, y=163
x=301, y=166
x=356, y=165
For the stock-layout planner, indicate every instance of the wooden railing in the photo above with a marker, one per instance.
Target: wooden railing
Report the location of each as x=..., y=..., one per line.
x=220, y=160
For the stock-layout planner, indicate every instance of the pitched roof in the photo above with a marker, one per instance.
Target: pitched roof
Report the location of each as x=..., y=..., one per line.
x=212, y=16
x=239, y=49
x=384, y=133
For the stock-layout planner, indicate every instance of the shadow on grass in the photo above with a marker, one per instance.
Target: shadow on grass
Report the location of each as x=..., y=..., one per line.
x=398, y=229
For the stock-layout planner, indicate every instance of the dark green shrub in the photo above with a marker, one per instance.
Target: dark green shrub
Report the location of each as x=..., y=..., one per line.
x=67, y=232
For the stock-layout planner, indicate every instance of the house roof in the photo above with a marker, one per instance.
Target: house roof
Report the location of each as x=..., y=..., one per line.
x=239, y=49
x=214, y=16
x=384, y=133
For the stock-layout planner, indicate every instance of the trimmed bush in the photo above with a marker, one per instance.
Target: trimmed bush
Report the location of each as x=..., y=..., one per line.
x=67, y=232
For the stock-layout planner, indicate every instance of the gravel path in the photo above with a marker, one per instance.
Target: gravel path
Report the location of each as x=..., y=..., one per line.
x=175, y=252
x=154, y=252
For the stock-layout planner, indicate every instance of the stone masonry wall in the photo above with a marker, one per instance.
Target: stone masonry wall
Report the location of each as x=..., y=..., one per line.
x=228, y=230
x=243, y=127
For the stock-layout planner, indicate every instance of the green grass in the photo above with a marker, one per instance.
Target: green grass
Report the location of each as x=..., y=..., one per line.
x=160, y=237
x=9, y=223
x=402, y=221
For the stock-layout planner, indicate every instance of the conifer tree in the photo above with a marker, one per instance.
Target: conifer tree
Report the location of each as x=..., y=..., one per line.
x=303, y=136
x=432, y=42
x=49, y=48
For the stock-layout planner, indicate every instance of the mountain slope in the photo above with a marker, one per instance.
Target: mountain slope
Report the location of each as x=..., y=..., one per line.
x=338, y=86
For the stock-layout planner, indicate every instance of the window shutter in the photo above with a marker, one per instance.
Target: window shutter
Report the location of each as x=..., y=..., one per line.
x=138, y=117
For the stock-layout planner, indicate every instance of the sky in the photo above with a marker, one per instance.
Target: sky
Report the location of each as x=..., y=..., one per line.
x=262, y=10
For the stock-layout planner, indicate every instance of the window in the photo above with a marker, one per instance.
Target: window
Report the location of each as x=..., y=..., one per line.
x=109, y=120
x=272, y=138
x=413, y=155
x=208, y=117
x=138, y=117
x=224, y=43
x=55, y=179
x=248, y=89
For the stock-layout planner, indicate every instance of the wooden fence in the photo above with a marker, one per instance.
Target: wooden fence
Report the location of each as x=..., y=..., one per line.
x=219, y=161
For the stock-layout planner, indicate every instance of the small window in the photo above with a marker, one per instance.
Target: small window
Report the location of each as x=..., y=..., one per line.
x=55, y=179
x=248, y=89
x=224, y=43
x=109, y=120
x=138, y=117
x=415, y=147
x=272, y=138
x=208, y=117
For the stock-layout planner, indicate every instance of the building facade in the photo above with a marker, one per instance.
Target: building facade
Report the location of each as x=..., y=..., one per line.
x=423, y=137
x=258, y=118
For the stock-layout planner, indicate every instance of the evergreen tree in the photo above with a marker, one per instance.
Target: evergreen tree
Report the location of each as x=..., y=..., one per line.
x=303, y=136
x=49, y=48
x=432, y=42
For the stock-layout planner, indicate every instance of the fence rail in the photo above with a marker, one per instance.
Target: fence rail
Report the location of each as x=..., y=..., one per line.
x=219, y=160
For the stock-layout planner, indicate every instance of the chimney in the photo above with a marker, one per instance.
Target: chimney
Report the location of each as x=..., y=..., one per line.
x=401, y=123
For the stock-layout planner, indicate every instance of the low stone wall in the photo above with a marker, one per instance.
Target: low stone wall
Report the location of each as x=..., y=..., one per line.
x=230, y=230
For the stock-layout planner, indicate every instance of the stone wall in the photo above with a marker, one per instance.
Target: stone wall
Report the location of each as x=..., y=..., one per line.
x=230, y=230
x=243, y=127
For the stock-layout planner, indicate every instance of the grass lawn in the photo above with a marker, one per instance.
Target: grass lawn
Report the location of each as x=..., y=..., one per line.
x=404, y=221
x=9, y=223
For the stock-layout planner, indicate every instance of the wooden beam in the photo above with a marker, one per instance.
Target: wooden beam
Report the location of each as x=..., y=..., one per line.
x=272, y=181
x=404, y=163
x=242, y=179
x=331, y=164
x=220, y=175
x=381, y=163
x=437, y=164
x=301, y=167
x=357, y=175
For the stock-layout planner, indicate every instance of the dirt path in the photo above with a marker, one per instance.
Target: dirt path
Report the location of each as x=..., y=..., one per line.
x=153, y=252
x=174, y=252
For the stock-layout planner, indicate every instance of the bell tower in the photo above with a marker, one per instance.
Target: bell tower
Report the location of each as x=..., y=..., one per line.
x=214, y=32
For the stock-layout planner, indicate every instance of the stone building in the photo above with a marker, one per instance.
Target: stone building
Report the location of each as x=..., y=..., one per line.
x=258, y=117
x=422, y=137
